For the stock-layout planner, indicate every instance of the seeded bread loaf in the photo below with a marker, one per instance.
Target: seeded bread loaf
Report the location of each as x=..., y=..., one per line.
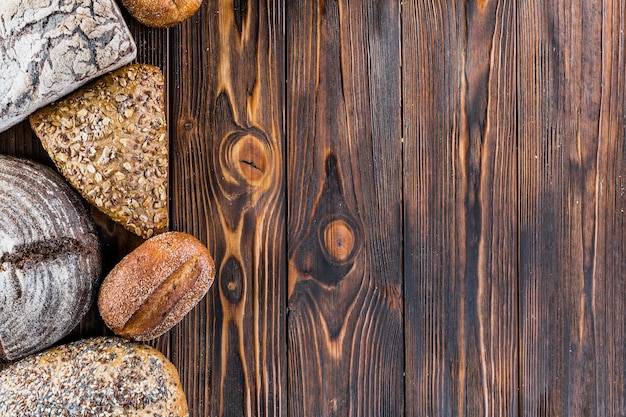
x=50, y=261
x=49, y=48
x=109, y=139
x=93, y=378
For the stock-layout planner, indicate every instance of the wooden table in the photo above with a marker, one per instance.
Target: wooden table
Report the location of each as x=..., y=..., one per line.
x=416, y=208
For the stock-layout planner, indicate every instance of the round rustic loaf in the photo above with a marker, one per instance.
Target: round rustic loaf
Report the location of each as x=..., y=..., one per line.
x=94, y=377
x=156, y=285
x=161, y=13
x=50, y=262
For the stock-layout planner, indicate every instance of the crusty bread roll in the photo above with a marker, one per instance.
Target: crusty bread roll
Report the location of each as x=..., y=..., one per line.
x=109, y=140
x=94, y=377
x=49, y=48
x=161, y=13
x=156, y=285
x=50, y=261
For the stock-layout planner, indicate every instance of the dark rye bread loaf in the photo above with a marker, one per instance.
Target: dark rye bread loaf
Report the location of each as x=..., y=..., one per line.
x=49, y=48
x=50, y=263
x=93, y=378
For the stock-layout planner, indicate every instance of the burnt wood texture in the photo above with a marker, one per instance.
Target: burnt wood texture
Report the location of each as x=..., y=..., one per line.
x=415, y=208
x=460, y=211
x=345, y=336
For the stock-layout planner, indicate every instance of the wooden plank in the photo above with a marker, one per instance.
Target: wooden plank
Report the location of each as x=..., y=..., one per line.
x=460, y=208
x=609, y=290
x=21, y=141
x=344, y=326
x=571, y=106
x=228, y=189
x=559, y=105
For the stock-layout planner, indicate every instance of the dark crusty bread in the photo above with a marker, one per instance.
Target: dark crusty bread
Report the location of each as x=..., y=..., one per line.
x=109, y=139
x=93, y=378
x=50, y=261
x=156, y=285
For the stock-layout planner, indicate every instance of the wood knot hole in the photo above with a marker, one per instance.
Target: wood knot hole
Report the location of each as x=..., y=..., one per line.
x=339, y=240
x=188, y=125
x=252, y=158
x=231, y=280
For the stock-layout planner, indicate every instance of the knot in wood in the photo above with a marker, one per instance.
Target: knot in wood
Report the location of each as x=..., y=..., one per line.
x=339, y=240
x=188, y=125
x=245, y=158
x=231, y=281
x=252, y=157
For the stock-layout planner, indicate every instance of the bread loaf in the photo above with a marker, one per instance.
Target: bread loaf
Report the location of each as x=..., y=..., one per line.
x=49, y=48
x=109, y=139
x=93, y=378
x=161, y=13
x=50, y=261
x=154, y=286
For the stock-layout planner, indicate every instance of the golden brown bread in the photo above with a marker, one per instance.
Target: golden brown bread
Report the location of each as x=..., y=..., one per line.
x=161, y=13
x=109, y=140
x=154, y=286
x=94, y=377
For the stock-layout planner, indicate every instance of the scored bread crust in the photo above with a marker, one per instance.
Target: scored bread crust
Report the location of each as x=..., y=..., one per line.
x=109, y=139
x=131, y=282
x=102, y=376
x=50, y=259
x=161, y=13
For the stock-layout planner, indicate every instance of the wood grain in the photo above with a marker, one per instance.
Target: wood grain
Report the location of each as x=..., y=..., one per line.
x=21, y=141
x=460, y=208
x=416, y=208
x=608, y=289
x=344, y=326
x=228, y=183
x=571, y=104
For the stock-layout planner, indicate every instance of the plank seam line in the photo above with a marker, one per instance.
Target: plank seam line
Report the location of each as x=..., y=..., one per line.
x=402, y=205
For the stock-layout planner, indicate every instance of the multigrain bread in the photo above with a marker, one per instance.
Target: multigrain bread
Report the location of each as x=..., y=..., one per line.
x=109, y=139
x=156, y=285
x=50, y=261
x=161, y=13
x=49, y=48
x=96, y=377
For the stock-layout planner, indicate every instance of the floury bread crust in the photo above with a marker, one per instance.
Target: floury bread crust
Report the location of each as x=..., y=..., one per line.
x=50, y=261
x=96, y=377
x=49, y=48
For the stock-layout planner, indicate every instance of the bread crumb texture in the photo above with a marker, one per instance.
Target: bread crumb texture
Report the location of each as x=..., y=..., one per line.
x=103, y=376
x=109, y=139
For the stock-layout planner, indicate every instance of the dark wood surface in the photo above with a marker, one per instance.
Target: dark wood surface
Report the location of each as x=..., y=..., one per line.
x=416, y=208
